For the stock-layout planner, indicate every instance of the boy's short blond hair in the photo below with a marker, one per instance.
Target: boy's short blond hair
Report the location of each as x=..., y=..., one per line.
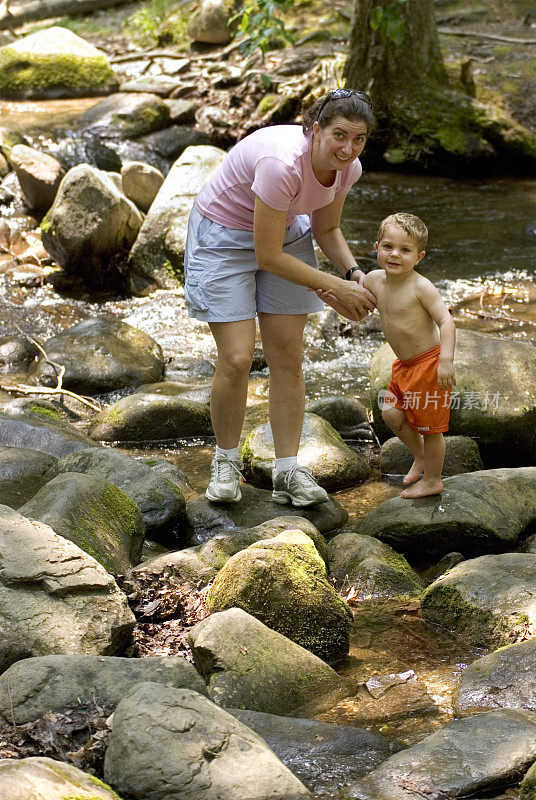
x=412, y=225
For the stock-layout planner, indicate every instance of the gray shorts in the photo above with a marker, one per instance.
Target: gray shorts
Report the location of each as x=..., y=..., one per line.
x=223, y=282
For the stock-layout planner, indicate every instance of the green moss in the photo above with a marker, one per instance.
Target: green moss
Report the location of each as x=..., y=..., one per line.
x=149, y=117
x=46, y=225
x=48, y=412
x=20, y=73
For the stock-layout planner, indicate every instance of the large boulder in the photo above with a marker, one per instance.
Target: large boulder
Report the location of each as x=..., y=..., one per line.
x=101, y=355
x=477, y=513
x=151, y=417
x=461, y=455
x=34, y=686
x=461, y=759
x=159, y=500
x=210, y=22
x=370, y=568
x=488, y=600
x=494, y=400
x=91, y=225
x=247, y=665
x=46, y=779
x=283, y=582
x=39, y=176
x=36, y=430
x=503, y=679
x=95, y=515
x=157, y=257
x=321, y=450
x=54, y=63
x=54, y=598
x=174, y=744
x=22, y=474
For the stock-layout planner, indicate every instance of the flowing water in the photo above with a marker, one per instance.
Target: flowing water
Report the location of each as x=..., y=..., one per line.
x=481, y=255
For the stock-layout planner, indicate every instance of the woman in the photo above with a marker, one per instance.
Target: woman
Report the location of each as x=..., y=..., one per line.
x=249, y=252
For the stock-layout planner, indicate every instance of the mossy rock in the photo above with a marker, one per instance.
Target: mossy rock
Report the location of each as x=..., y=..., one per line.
x=527, y=790
x=283, y=583
x=40, y=778
x=54, y=63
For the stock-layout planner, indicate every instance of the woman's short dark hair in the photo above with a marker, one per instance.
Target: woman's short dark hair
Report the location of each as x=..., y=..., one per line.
x=351, y=104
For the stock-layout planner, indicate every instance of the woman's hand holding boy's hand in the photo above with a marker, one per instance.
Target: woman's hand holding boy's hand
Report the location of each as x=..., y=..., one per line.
x=446, y=375
x=351, y=301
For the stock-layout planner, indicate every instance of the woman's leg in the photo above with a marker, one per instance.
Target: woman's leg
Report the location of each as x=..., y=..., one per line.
x=235, y=342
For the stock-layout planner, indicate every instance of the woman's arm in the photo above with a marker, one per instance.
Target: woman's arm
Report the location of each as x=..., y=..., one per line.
x=325, y=224
x=269, y=232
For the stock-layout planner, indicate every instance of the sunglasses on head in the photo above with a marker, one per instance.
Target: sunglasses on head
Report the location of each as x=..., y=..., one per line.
x=339, y=94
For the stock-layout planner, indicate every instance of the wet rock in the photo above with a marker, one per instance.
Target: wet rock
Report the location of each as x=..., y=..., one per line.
x=157, y=257
x=16, y=352
x=151, y=417
x=283, y=582
x=323, y=756
x=100, y=355
x=464, y=757
x=54, y=598
x=210, y=22
x=321, y=449
x=443, y=565
x=126, y=116
x=173, y=743
x=160, y=501
x=141, y=183
x=182, y=112
x=165, y=468
x=504, y=679
x=39, y=176
x=90, y=226
x=176, y=389
x=462, y=455
x=527, y=790
x=247, y=665
x=345, y=414
x=38, y=430
x=256, y=506
x=487, y=600
x=477, y=512
x=402, y=695
x=95, y=515
x=47, y=779
x=491, y=404
x=161, y=85
x=51, y=63
x=170, y=143
x=22, y=474
x=33, y=686
x=370, y=568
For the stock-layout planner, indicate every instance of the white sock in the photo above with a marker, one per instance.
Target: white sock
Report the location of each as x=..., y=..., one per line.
x=233, y=454
x=281, y=464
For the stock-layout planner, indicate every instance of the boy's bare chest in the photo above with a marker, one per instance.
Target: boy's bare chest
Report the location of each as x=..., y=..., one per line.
x=398, y=303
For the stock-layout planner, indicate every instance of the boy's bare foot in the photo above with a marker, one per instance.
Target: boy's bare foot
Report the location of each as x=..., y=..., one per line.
x=414, y=474
x=422, y=489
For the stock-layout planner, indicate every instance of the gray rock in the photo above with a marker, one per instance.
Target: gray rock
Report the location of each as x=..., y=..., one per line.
x=464, y=757
x=15, y=353
x=90, y=225
x=487, y=600
x=323, y=756
x=95, y=515
x=151, y=417
x=504, y=679
x=490, y=403
x=210, y=22
x=256, y=506
x=174, y=744
x=282, y=581
x=160, y=501
x=527, y=790
x=101, y=355
x=321, y=450
x=247, y=665
x=477, y=512
x=141, y=183
x=125, y=115
x=22, y=474
x=39, y=176
x=157, y=257
x=47, y=779
x=345, y=414
x=182, y=112
x=54, y=598
x=33, y=686
x=461, y=455
x=371, y=568
x=39, y=431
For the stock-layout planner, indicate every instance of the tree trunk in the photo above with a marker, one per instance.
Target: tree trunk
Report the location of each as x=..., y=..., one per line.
x=15, y=16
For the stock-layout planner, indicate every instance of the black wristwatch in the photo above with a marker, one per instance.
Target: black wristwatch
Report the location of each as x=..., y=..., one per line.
x=351, y=271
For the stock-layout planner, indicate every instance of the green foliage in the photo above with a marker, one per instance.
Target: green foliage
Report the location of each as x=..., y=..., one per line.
x=261, y=21
x=388, y=22
x=157, y=22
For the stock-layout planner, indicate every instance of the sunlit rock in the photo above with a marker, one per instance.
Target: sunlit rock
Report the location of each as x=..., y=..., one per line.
x=37, y=429
x=39, y=176
x=46, y=779
x=141, y=183
x=210, y=22
x=462, y=455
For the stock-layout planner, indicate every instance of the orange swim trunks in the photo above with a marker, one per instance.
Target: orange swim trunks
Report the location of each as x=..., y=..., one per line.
x=413, y=389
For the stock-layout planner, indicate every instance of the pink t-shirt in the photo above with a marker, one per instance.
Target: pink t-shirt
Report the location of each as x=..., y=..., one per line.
x=274, y=164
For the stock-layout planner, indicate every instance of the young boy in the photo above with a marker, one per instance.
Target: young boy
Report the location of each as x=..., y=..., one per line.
x=420, y=330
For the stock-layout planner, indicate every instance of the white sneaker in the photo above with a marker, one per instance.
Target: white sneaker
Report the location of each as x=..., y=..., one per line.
x=224, y=484
x=297, y=486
